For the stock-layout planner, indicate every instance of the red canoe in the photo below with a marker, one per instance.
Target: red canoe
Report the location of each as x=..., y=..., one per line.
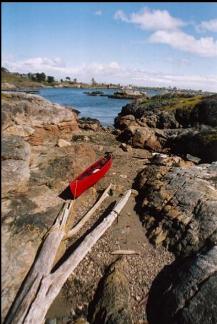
x=90, y=176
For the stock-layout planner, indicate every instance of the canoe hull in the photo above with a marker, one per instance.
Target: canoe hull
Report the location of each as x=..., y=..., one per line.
x=82, y=182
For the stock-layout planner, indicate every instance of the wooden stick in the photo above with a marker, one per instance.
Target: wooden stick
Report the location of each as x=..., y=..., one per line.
x=79, y=225
x=124, y=252
x=41, y=267
x=51, y=284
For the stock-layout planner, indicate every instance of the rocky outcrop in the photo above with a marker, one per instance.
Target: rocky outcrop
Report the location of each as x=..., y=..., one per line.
x=201, y=143
x=112, y=300
x=8, y=86
x=186, y=291
x=89, y=124
x=185, y=125
x=95, y=93
x=127, y=94
x=178, y=204
x=30, y=115
x=204, y=113
x=37, y=166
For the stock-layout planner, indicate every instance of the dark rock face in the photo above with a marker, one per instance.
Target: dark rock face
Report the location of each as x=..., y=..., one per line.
x=199, y=143
x=178, y=205
x=186, y=291
x=205, y=112
x=112, y=301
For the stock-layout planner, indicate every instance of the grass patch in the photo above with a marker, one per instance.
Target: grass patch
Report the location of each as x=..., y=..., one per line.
x=18, y=80
x=183, y=103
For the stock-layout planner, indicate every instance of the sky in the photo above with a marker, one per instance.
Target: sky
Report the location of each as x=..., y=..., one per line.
x=139, y=43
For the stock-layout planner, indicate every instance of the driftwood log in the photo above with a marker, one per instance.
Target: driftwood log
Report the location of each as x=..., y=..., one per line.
x=81, y=223
x=42, y=286
x=41, y=267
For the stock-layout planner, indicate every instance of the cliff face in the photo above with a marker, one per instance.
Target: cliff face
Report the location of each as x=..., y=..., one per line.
x=37, y=166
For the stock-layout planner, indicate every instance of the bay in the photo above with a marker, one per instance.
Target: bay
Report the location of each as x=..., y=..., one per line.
x=102, y=108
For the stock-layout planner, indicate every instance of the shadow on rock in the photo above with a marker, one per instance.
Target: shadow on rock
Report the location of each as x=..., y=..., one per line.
x=185, y=291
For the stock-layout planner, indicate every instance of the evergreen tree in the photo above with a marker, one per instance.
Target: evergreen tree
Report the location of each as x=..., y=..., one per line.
x=50, y=79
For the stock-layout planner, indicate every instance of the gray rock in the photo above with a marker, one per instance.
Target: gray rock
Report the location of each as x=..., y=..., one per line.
x=193, y=158
x=186, y=292
x=179, y=205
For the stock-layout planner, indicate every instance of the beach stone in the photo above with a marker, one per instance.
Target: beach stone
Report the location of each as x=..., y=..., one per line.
x=193, y=158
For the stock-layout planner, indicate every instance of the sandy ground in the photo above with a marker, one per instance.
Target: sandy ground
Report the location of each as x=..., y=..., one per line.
x=126, y=232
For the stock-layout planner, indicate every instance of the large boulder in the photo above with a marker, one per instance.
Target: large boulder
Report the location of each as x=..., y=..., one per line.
x=186, y=291
x=32, y=116
x=112, y=300
x=89, y=124
x=144, y=138
x=178, y=205
x=140, y=137
x=193, y=118
x=125, y=121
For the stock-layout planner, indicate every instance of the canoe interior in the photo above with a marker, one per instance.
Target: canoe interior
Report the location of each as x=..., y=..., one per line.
x=90, y=176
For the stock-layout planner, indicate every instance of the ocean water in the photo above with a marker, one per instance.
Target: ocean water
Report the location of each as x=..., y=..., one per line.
x=102, y=108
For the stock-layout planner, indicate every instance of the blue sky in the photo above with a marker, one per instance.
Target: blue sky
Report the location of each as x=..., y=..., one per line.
x=150, y=44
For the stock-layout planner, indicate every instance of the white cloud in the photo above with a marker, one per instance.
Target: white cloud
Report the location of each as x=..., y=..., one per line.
x=120, y=15
x=210, y=25
x=58, y=67
x=36, y=64
x=151, y=19
x=177, y=61
x=111, y=72
x=204, y=46
x=98, y=13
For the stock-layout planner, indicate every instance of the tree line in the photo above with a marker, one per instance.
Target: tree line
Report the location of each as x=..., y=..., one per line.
x=41, y=77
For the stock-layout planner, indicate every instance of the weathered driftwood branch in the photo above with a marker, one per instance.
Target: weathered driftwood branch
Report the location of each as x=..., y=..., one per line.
x=41, y=267
x=124, y=252
x=51, y=284
x=81, y=223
